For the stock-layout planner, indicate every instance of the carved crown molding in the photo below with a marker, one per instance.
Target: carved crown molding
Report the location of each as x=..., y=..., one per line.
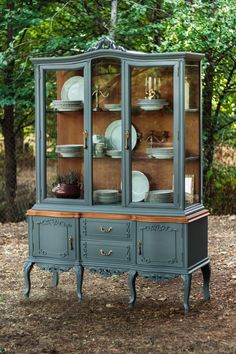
x=106, y=43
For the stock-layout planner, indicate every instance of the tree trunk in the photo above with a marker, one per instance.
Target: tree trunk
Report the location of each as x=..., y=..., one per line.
x=8, y=132
x=10, y=163
x=208, y=125
x=114, y=5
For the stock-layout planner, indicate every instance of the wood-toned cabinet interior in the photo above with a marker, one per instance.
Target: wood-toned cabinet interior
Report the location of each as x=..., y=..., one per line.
x=118, y=167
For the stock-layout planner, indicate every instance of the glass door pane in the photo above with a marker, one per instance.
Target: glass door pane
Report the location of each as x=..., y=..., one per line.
x=152, y=135
x=192, y=133
x=107, y=131
x=64, y=134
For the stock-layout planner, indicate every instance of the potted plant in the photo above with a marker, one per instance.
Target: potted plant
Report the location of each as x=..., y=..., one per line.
x=67, y=185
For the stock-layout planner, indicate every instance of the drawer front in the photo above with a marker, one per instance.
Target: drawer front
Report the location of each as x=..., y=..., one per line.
x=160, y=244
x=107, y=229
x=107, y=252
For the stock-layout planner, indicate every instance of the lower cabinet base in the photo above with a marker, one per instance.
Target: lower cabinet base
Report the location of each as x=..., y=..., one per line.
x=132, y=275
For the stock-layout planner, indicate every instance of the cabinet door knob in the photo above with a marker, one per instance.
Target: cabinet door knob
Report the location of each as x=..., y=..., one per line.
x=127, y=136
x=103, y=253
x=139, y=248
x=104, y=230
x=85, y=133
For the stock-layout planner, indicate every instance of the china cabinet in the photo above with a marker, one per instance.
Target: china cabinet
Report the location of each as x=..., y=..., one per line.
x=128, y=126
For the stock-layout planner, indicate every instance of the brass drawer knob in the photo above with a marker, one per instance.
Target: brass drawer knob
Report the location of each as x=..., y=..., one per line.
x=104, y=230
x=103, y=253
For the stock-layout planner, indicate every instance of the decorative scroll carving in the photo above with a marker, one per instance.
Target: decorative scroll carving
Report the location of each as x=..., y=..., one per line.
x=158, y=276
x=53, y=222
x=106, y=272
x=159, y=227
x=106, y=43
x=128, y=253
x=84, y=227
x=85, y=250
x=128, y=229
x=54, y=267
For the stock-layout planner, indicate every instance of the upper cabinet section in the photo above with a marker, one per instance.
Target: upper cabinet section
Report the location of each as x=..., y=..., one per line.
x=119, y=129
x=154, y=128
x=193, y=183
x=65, y=134
x=106, y=131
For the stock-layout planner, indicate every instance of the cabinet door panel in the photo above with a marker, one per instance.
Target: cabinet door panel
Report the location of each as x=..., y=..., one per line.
x=55, y=238
x=160, y=244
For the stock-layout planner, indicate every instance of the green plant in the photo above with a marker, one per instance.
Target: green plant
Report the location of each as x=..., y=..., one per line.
x=72, y=177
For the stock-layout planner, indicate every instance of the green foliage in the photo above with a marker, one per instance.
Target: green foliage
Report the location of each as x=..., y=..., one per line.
x=72, y=177
x=222, y=181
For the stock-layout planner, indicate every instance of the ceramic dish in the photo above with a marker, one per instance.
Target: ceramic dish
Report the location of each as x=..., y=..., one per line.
x=113, y=153
x=65, y=106
x=114, y=107
x=69, y=148
x=113, y=136
x=140, y=186
x=159, y=196
x=73, y=89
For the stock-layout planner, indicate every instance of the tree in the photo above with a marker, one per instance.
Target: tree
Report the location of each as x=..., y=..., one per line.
x=208, y=27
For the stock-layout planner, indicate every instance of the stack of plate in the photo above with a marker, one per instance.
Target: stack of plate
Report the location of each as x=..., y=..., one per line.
x=67, y=106
x=161, y=152
x=106, y=196
x=153, y=104
x=159, y=196
x=115, y=154
x=113, y=106
x=75, y=150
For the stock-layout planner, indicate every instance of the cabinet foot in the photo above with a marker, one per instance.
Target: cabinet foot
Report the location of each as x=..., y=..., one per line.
x=27, y=269
x=55, y=279
x=187, y=278
x=131, y=281
x=79, y=271
x=206, y=272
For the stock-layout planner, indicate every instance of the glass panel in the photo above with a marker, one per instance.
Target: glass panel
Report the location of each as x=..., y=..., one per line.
x=152, y=134
x=107, y=133
x=192, y=133
x=64, y=134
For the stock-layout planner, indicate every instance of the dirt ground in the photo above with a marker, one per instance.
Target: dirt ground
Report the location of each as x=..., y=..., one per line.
x=52, y=321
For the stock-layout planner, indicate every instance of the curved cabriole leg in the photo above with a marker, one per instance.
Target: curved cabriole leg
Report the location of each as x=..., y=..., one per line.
x=55, y=279
x=206, y=272
x=131, y=281
x=79, y=270
x=187, y=278
x=27, y=269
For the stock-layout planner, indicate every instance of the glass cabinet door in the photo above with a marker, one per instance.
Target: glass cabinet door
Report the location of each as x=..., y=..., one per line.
x=152, y=130
x=192, y=133
x=65, y=134
x=106, y=131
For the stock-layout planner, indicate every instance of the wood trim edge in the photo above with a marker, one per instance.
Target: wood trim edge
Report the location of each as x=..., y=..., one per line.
x=145, y=218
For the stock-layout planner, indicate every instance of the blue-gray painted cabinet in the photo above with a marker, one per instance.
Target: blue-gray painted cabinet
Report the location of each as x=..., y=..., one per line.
x=119, y=167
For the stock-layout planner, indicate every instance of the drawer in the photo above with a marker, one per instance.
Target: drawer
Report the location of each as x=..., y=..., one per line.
x=107, y=229
x=107, y=252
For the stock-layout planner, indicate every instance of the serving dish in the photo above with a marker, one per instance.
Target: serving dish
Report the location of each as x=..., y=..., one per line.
x=73, y=89
x=140, y=186
x=113, y=136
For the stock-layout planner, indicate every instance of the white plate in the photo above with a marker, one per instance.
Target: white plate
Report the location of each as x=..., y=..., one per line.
x=73, y=89
x=113, y=135
x=140, y=186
